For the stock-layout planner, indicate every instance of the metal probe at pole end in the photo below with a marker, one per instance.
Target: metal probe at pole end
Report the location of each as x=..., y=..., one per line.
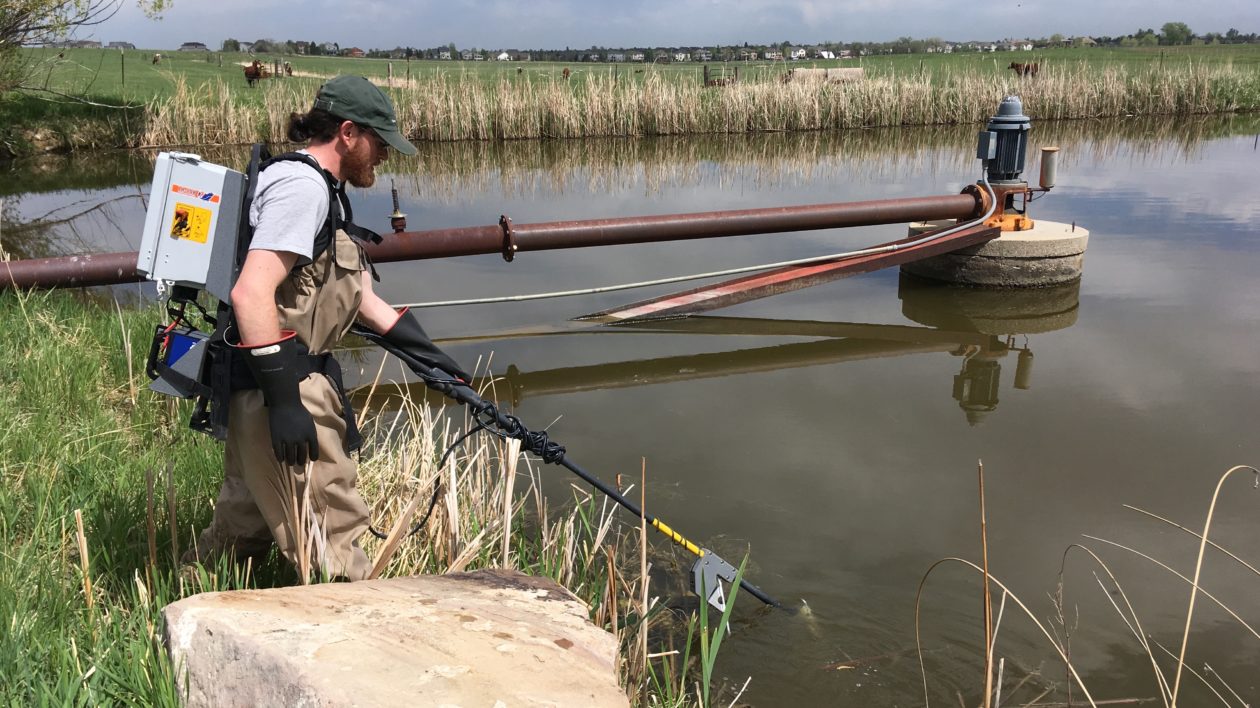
x=397, y=220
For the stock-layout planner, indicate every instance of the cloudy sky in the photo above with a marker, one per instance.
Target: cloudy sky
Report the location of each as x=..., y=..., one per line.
x=534, y=24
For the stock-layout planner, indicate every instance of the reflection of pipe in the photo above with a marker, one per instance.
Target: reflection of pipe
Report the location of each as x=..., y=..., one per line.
x=755, y=326
x=626, y=374
x=509, y=238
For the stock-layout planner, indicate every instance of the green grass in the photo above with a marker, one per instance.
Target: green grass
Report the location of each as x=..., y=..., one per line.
x=131, y=77
x=82, y=434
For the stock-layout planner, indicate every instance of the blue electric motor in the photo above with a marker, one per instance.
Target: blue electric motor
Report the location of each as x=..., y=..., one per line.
x=1005, y=141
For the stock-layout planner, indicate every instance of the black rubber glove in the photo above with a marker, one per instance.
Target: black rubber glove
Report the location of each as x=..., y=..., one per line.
x=408, y=335
x=276, y=370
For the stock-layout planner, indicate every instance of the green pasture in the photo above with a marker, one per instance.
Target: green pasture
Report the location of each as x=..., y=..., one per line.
x=105, y=98
x=941, y=65
x=131, y=77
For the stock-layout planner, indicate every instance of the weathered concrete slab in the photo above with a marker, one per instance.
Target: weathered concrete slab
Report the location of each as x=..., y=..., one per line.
x=489, y=638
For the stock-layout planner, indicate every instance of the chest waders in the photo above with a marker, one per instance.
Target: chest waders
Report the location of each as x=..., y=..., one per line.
x=318, y=302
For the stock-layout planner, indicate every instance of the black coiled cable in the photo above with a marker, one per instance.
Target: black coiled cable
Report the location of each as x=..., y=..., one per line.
x=489, y=418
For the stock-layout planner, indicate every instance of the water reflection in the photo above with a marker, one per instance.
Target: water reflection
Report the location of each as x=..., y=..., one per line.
x=980, y=327
x=1002, y=314
x=444, y=171
x=447, y=173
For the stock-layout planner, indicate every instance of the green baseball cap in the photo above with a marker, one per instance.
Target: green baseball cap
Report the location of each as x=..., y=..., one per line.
x=356, y=99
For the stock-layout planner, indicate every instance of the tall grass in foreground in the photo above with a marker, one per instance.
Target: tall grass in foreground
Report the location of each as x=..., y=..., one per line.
x=442, y=108
x=83, y=438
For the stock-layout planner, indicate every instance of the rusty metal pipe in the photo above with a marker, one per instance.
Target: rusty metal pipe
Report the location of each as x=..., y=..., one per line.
x=71, y=271
x=507, y=238
x=443, y=243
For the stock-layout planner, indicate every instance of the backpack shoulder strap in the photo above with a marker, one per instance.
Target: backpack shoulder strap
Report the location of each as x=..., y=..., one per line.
x=336, y=198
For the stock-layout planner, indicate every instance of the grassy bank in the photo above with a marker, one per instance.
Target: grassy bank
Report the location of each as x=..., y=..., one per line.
x=202, y=99
x=84, y=440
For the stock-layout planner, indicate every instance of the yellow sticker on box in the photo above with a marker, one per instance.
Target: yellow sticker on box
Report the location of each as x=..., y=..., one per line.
x=191, y=223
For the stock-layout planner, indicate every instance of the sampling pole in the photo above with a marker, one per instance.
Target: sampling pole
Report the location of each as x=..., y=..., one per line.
x=709, y=570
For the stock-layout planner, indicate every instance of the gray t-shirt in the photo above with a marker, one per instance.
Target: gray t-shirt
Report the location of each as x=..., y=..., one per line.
x=289, y=208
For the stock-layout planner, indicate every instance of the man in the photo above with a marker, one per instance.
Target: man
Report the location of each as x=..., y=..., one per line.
x=304, y=282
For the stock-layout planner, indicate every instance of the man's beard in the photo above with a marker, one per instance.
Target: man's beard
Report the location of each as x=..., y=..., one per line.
x=358, y=168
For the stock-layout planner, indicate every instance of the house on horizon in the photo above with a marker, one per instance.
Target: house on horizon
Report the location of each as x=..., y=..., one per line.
x=120, y=45
x=636, y=56
x=796, y=53
x=193, y=47
x=354, y=52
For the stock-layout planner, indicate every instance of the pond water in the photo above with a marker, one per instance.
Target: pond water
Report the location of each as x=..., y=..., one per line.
x=843, y=463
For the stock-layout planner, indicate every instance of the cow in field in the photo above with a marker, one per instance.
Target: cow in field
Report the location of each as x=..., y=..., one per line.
x=254, y=72
x=1025, y=69
x=565, y=73
x=157, y=59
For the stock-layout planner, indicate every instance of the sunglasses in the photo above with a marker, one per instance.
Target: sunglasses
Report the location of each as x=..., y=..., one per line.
x=381, y=145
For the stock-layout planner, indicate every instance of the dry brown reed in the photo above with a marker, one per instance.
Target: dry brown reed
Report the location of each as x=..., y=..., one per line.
x=493, y=513
x=465, y=107
x=469, y=109
x=84, y=563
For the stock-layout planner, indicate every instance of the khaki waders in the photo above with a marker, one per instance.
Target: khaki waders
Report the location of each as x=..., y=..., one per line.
x=257, y=500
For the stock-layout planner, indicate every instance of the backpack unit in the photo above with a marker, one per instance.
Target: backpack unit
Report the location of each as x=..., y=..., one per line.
x=196, y=236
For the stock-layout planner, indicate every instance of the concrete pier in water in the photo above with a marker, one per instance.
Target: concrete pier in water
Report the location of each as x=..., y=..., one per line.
x=1050, y=253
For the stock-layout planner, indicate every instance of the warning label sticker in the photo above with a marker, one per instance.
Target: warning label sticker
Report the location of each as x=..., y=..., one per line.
x=191, y=223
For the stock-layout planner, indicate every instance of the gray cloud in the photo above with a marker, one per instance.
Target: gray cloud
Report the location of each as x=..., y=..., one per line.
x=583, y=23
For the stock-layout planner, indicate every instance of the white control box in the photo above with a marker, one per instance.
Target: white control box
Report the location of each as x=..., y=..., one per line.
x=190, y=229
